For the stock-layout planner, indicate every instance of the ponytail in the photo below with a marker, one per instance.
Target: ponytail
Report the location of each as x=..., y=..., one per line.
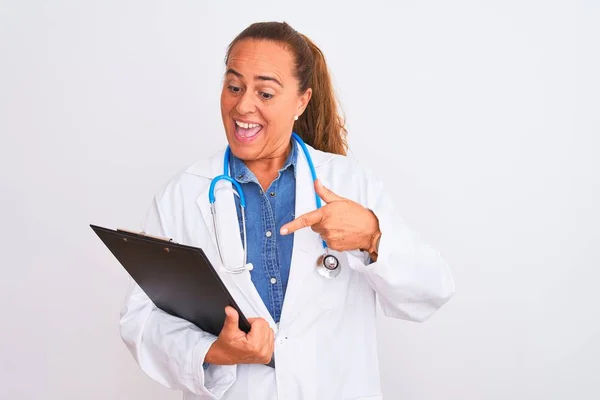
x=320, y=126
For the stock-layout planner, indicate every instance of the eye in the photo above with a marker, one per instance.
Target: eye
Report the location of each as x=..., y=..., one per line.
x=234, y=89
x=266, y=96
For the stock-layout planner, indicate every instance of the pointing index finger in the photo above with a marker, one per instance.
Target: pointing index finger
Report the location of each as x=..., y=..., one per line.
x=303, y=221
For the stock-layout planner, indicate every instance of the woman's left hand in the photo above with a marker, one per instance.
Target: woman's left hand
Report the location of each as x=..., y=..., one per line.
x=342, y=223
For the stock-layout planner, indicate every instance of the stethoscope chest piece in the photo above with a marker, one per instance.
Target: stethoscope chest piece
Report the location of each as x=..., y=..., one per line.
x=328, y=266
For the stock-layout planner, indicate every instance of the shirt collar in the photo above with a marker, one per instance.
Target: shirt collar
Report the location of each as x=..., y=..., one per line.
x=241, y=173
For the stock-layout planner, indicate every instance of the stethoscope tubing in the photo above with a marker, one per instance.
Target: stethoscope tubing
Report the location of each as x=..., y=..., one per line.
x=238, y=188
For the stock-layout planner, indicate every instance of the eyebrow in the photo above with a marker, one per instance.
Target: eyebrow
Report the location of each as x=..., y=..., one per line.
x=258, y=77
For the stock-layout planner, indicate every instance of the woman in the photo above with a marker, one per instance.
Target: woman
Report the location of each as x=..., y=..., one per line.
x=321, y=332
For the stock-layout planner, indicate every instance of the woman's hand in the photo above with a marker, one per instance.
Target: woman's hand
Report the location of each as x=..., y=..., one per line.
x=342, y=223
x=234, y=346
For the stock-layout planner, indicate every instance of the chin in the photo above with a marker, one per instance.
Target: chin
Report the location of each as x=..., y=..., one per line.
x=243, y=151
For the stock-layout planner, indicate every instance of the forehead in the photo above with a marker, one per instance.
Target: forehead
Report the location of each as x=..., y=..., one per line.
x=260, y=57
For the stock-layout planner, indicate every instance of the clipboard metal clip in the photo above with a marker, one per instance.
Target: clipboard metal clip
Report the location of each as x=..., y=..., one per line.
x=169, y=240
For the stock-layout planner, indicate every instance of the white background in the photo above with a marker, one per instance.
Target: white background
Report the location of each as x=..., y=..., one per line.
x=483, y=118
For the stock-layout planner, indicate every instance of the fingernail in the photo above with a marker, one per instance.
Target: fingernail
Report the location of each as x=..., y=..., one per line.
x=284, y=231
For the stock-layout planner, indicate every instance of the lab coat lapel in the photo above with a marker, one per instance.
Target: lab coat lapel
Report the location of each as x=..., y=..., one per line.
x=230, y=240
x=304, y=279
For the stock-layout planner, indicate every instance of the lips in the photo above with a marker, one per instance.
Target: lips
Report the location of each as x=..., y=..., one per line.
x=246, y=130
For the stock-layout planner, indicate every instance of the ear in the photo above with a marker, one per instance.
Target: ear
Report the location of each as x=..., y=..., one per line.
x=303, y=101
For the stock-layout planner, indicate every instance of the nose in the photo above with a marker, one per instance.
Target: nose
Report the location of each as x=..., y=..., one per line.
x=246, y=103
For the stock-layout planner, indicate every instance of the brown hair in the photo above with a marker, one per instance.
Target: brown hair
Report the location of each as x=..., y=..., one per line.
x=320, y=125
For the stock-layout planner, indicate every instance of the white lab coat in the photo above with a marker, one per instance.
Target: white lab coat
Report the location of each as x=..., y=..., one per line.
x=325, y=344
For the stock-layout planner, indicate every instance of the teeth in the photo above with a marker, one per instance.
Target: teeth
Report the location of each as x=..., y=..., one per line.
x=246, y=125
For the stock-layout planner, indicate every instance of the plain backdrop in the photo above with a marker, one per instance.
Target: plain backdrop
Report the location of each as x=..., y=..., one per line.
x=482, y=117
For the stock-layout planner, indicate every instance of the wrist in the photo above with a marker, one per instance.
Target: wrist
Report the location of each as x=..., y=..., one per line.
x=212, y=353
x=373, y=247
x=371, y=243
x=216, y=355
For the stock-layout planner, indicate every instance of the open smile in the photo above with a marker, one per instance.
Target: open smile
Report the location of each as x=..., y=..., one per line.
x=246, y=130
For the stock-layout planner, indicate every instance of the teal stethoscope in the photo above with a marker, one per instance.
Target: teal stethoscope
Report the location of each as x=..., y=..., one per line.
x=327, y=265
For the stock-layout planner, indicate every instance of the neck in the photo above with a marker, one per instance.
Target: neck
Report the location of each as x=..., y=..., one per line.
x=267, y=169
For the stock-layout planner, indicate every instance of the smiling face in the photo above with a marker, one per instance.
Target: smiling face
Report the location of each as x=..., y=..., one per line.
x=259, y=100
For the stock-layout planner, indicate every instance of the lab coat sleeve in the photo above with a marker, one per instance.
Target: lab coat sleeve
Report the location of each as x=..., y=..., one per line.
x=170, y=350
x=411, y=279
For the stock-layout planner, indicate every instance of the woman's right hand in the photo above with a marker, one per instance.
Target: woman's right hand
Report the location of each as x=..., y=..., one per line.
x=234, y=346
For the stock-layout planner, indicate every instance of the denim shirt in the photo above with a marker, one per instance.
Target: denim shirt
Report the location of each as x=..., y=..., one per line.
x=266, y=212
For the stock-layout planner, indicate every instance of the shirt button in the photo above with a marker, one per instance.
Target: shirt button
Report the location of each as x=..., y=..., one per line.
x=269, y=233
x=272, y=194
x=273, y=280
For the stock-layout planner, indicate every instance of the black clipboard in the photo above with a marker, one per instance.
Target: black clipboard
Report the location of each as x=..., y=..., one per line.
x=179, y=279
